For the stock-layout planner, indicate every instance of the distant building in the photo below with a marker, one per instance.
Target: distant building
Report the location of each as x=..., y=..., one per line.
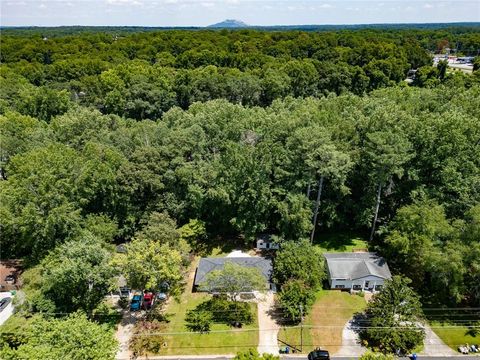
x=356, y=271
x=207, y=265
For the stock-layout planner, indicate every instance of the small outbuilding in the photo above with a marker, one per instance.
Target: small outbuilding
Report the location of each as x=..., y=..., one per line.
x=265, y=242
x=356, y=271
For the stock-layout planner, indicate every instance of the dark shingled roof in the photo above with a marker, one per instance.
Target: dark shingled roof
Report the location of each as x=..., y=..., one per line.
x=353, y=266
x=207, y=265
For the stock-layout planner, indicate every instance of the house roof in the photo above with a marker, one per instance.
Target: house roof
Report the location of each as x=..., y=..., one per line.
x=353, y=266
x=207, y=265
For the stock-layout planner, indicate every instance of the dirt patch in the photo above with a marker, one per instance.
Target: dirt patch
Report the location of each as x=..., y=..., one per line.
x=10, y=267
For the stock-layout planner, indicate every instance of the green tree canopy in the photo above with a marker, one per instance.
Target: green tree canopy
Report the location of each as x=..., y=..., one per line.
x=394, y=316
x=234, y=279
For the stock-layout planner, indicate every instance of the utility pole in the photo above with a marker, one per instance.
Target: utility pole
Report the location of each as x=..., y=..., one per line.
x=301, y=328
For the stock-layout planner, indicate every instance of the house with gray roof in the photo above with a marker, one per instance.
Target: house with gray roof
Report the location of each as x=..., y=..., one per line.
x=356, y=271
x=207, y=265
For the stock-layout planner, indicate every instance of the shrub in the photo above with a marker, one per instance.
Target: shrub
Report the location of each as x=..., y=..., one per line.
x=199, y=321
x=142, y=340
x=252, y=354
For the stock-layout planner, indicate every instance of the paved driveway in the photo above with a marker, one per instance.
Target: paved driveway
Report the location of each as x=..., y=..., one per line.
x=434, y=346
x=8, y=310
x=350, y=342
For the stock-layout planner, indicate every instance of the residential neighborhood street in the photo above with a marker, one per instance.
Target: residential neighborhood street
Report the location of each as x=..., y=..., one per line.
x=290, y=357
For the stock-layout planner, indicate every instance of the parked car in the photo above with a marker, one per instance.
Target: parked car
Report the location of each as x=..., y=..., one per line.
x=148, y=299
x=318, y=354
x=161, y=296
x=136, y=303
x=125, y=291
x=4, y=302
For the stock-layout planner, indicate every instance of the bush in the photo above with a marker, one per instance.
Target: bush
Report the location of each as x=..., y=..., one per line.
x=142, y=340
x=199, y=321
x=123, y=302
x=157, y=313
x=227, y=312
x=252, y=354
x=220, y=310
x=369, y=355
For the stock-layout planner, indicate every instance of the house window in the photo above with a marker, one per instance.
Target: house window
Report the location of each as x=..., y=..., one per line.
x=339, y=286
x=378, y=287
x=357, y=287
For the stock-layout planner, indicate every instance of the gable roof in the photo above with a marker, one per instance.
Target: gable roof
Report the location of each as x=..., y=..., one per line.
x=207, y=265
x=353, y=266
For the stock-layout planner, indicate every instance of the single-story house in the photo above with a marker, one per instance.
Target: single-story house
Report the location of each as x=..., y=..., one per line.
x=207, y=265
x=356, y=271
x=265, y=242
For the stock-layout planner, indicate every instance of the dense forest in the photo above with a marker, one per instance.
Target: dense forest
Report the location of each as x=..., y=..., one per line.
x=246, y=132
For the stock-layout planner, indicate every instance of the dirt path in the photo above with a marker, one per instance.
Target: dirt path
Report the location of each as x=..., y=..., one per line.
x=268, y=327
x=434, y=346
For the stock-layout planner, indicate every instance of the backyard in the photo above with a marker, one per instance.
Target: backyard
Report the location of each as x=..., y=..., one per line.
x=323, y=326
x=341, y=241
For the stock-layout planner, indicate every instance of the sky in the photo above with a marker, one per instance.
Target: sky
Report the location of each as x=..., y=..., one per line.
x=252, y=12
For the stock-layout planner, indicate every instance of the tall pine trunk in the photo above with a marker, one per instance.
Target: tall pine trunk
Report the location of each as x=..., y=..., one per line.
x=377, y=207
x=317, y=206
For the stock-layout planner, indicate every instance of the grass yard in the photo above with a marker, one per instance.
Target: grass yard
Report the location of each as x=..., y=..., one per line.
x=183, y=342
x=456, y=335
x=323, y=326
x=342, y=241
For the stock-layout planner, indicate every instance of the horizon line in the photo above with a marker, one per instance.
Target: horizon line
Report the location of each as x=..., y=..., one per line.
x=240, y=27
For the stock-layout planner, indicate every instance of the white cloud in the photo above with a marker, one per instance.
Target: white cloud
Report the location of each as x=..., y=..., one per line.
x=124, y=2
x=428, y=6
x=42, y=6
x=16, y=3
x=325, y=6
x=207, y=4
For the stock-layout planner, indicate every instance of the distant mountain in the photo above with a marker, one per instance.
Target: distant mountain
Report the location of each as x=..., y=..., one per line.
x=229, y=23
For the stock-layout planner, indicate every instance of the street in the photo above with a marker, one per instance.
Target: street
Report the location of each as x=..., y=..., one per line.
x=292, y=357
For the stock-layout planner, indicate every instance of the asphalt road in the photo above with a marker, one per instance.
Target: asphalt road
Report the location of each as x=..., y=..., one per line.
x=297, y=357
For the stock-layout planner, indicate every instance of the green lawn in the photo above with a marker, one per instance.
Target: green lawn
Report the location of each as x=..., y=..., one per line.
x=323, y=326
x=184, y=342
x=456, y=335
x=340, y=241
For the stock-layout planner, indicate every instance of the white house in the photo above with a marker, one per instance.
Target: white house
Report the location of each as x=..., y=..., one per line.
x=265, y=242
x=356, y=271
